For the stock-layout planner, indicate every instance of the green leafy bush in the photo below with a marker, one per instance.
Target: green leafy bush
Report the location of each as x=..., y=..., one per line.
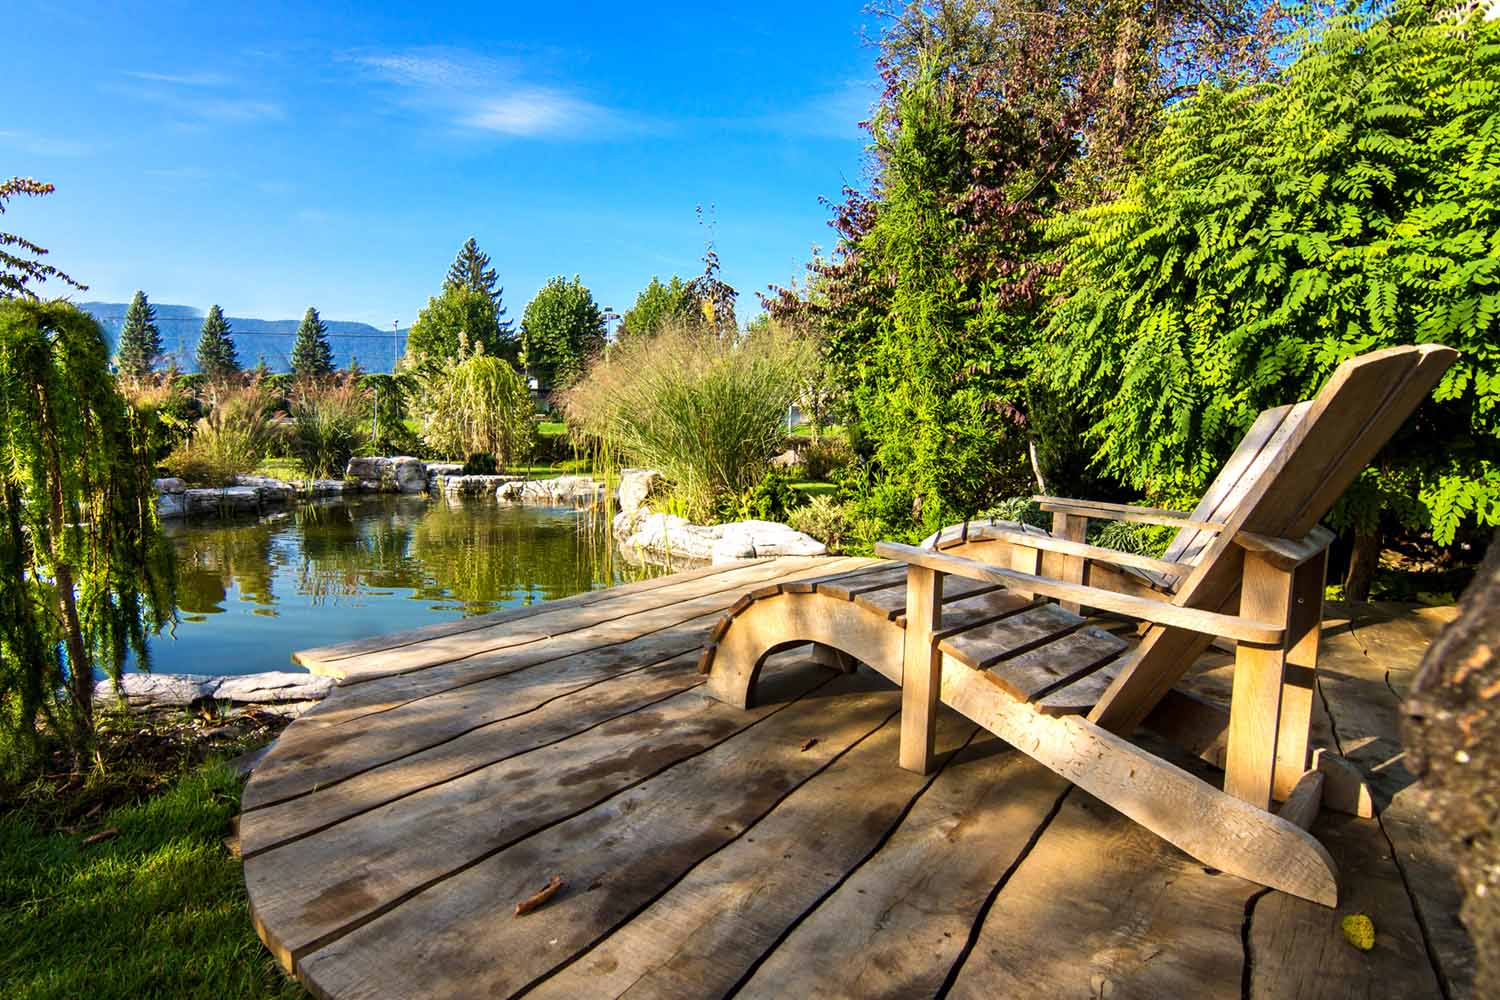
x=771, y=499
x=825, y=456
x=330, y=422
x=705, y=410
x=825, y=519
x=1274, y=231
x=481, y=464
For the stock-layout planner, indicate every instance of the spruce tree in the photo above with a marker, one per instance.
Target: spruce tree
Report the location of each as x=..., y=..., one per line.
x=216, y=356
x=471, y=269
x=140, y=340
x=312, y=357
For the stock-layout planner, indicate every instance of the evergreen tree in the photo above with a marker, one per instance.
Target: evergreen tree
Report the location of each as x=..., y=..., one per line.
x=216, y=356
x=471, y=269
x=312, y=357
x=261, y=371
x=140, y=340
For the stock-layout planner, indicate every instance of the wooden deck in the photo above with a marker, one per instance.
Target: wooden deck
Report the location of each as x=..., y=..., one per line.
x=780, y=851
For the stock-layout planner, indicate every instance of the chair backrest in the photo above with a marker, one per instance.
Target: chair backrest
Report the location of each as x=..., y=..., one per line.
x=1261, y=445
x=1324, y=444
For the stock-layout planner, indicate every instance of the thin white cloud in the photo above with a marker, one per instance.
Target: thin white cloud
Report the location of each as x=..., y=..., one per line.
x=182, y=79
x=833, y=114
x=480, y=94
x=39, y=145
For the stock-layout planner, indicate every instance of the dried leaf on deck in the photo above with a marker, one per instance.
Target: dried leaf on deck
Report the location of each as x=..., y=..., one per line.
x=540, y=898
x=812, y=741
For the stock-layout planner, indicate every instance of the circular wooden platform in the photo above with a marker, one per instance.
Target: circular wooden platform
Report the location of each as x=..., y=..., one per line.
x=706, y=850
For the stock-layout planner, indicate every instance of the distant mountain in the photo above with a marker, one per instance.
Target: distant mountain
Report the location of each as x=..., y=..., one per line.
x=377, y=350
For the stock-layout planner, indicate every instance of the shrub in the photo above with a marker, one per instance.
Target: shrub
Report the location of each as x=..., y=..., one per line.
x=705, y=410
x=481, y=464
x=822, y=458
x=1274, y=231
x=771, y=499
x=473, y=403
x=233, y=438
x=329, y=424
x=825, y=519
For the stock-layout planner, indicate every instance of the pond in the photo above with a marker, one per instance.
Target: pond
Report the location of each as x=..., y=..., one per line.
x=251, y=593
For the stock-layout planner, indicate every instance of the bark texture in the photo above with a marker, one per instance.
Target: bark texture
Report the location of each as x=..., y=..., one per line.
x=1453, y=741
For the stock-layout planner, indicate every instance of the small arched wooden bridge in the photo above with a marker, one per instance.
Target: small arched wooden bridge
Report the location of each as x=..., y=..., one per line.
x=705, y=850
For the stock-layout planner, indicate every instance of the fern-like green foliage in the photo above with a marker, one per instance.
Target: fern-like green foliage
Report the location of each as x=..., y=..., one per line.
x=1275, y=230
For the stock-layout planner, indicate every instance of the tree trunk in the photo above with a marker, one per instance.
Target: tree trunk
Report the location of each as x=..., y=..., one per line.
x=80, y=667
x=1364, y=559
x=1036, y=467
x=1452, y=734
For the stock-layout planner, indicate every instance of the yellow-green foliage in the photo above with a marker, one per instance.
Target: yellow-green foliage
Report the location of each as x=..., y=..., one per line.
x=473, y=403
x=706, y=410
x=231, y=439
x=1275, y=230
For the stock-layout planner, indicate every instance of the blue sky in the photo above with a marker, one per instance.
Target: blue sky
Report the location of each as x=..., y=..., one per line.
x=268, y=156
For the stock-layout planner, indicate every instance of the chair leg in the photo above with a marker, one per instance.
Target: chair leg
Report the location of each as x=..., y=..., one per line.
x=1259, y=674
x=1073, y=528
x=921, y=667
x=1299, y=690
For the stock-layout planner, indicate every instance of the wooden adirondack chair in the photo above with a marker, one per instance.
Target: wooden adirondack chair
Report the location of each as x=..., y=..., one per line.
x=1247, y=565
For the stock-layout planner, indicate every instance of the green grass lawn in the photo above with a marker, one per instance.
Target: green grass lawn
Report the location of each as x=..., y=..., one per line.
x=281, y=468
x=157, y=911
x=815, y=488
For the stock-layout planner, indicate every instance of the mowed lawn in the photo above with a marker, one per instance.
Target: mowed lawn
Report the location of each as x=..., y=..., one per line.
x=158, y=910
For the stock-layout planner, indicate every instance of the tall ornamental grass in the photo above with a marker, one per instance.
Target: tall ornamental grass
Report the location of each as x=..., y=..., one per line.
x=232, y=439
x=708, y=411
x=330, y=422
x=473, y=404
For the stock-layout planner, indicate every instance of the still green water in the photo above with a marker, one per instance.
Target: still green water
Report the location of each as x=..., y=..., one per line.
x=250, y=593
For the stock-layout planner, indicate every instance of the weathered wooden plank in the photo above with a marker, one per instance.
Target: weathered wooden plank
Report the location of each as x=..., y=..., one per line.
x=1061, y=661
x=615, y=858
x=895, y=927
x=983, y=646
x=387, y=693
x=1364, y=402
x=553, y=622
x=1215, y=828
x=1302, y=805
x=839, y=584
x=847, y=587
x=487, y=743
x=707, y=932
x=1082, y=694
x=313, y=889
x=310, y=757
x=1255, y=451
x=890, y=602
x=325, y=655
x=1190, y=619
x=1124, y=512
x=921, y=668
x=1101, y=908
x=1255, y=707
x=1296, y=949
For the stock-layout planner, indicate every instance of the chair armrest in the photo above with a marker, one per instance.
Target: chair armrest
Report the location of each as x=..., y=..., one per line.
x=1125, y=512
x=1097, y=553
x=1286, y=553
x=1157, y=612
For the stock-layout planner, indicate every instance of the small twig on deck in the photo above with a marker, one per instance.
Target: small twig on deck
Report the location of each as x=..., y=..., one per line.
x=540, y=898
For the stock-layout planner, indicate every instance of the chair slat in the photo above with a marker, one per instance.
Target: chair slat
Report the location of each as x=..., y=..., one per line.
x=1058, y=663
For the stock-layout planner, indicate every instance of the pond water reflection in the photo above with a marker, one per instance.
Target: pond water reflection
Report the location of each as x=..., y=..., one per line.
x=250, y=593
